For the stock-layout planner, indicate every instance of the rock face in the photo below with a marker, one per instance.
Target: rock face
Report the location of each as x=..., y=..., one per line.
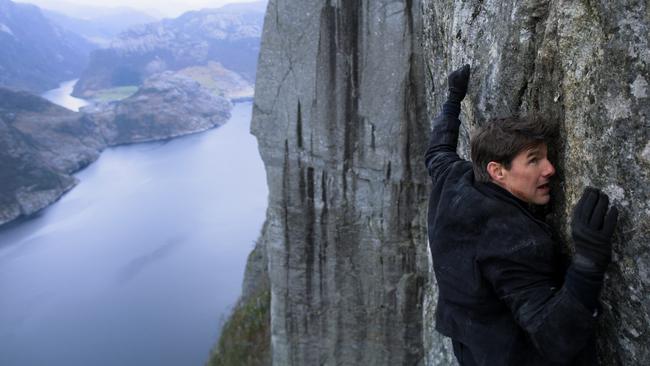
x=587, y=66
x=230, y=36
x=340, y=117
x=37, y=54
x=42, y=144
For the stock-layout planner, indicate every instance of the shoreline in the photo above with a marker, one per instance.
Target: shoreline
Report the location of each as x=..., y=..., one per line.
x=19, y=211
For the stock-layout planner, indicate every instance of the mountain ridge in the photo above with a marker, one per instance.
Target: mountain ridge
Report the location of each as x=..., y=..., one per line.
x=194, y=38
x=37, y=54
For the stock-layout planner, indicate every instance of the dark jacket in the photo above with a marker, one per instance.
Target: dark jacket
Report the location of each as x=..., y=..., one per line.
x=499, y=271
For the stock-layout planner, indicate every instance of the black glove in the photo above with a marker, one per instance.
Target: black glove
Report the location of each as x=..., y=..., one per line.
x=457, y=82
x=592, y=229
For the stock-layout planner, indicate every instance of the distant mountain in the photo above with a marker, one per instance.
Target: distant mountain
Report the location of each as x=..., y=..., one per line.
x=228, y=36
x=100, y=28
x=79, y=11
x=257, y=6
x=36, y=54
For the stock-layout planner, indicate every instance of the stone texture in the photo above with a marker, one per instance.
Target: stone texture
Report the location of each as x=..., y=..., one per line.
x=341, y=123
x=340, y=118
x=256, y=277
x=585, y=65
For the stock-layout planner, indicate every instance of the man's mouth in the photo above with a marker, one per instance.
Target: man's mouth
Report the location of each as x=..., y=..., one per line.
x=544, y=187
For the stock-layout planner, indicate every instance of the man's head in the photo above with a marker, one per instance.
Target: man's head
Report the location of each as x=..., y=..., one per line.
x=512, y=152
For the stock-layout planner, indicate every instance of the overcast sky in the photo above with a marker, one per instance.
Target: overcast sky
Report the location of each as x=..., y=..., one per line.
x=166, y=7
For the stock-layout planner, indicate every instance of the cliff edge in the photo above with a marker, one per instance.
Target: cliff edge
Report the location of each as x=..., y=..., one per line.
x=339, y=115
x=341, y=118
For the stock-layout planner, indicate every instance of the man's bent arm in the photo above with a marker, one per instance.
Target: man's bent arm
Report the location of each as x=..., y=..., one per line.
x=444, y=134
x=443, y=141
x=557, y=322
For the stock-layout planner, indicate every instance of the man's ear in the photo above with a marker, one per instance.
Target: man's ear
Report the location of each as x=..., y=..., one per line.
x=496, y=171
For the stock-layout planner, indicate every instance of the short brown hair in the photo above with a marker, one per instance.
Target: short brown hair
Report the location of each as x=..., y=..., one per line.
x=501, y=139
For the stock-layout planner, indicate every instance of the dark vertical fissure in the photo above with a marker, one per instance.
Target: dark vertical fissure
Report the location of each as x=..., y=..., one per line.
x=388, y=172
x=285, y=217
x=299, y=127
x=322, y=256
x=349, y=33
x=310, y=238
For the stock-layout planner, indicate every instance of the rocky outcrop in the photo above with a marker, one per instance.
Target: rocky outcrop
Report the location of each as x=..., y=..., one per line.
x=42, y=144
x=37, y=54
x=167, y=105
x=341, y=122
x=229, y=36
x=220, y=81
x=340, y=119
x=587, y=66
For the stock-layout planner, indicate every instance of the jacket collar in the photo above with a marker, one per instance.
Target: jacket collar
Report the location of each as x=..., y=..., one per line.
x=499, y=193
x=496, y=191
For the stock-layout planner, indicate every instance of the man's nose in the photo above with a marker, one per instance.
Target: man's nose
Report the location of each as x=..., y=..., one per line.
x=549, y=169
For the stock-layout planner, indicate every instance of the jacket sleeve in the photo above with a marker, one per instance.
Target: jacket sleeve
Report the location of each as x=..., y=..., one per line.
x=557, y=322
x=441, y=153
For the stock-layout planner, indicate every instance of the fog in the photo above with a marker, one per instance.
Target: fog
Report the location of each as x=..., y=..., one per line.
x=152, y=7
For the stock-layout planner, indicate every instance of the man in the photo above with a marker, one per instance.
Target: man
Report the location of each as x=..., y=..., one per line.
x=505, y=298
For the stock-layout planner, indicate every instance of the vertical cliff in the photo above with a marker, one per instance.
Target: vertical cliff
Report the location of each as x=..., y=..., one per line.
x=342, y=93
x=341, y=120
x=585, y=64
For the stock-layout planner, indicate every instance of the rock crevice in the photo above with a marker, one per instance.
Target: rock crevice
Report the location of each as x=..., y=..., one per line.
x=341, y=245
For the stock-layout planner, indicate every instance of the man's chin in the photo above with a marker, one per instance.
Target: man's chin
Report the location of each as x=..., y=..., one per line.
x=542, y=199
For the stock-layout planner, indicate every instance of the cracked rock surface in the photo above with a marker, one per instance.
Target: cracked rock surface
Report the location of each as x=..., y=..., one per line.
x=585, y=65
x=340, y=119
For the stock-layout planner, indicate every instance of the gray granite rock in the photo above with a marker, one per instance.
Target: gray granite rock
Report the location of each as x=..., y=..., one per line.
x=256, y=278
x=341, y=121
x=585, y=65
x=340, y=116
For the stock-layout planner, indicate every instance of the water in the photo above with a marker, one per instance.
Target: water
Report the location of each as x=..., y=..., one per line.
x=62, y=97
x=139, y=263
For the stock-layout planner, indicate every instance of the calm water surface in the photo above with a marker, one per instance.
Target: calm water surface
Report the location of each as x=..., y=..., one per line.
x=140, y=262
x=62, y=97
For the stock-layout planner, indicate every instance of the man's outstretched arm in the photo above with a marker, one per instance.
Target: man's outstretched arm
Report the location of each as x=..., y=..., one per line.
x=444, y=134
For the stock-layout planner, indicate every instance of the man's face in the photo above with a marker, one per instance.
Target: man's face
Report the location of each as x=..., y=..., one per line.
x=529, y=175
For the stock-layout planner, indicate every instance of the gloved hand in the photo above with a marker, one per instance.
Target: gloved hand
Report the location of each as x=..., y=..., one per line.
x=457, y=82
x=592, y=228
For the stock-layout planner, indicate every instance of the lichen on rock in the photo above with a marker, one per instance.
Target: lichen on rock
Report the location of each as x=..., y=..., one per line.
x=584, y=65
